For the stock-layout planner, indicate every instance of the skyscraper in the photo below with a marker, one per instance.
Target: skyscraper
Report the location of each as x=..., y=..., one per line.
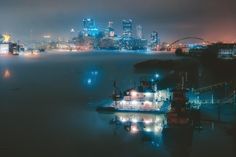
x=155, y=40
x=139, y=31
x=110, y=24
x=109, y=32
x=127, y=28
x=89, y=27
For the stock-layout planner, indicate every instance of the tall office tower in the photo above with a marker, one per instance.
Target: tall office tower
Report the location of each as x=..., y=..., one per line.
x=127, y=28
x=139, y=32
x=90, y=28
x=110, y=30
x=155, y=38
x=110, y=24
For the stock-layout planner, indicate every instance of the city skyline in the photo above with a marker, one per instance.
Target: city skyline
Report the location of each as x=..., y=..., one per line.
x=208, y=19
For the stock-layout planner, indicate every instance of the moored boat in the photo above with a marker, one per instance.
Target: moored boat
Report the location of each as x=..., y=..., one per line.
x=144, y=98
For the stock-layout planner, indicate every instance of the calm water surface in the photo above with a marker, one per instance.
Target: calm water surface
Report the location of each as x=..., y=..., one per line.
x=48, y=102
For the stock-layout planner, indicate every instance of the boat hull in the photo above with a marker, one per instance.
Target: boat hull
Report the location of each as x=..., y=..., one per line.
x=113, y=109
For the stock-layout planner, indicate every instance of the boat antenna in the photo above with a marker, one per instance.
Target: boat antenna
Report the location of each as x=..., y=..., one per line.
x=114, y=92
x=114, y=84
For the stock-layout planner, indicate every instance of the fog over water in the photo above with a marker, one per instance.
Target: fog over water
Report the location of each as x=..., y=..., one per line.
x=48, y=103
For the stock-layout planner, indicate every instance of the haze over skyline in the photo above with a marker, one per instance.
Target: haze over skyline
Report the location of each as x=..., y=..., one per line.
x=211, y=19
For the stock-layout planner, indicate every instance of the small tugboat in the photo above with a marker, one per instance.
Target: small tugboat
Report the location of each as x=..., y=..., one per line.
x=143, y=99
x=179, y=113
x=181, y=120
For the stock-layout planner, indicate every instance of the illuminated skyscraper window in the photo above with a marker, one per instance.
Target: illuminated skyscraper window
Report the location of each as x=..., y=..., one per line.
x=139, y=32
x=127, y=28
x=90, y=28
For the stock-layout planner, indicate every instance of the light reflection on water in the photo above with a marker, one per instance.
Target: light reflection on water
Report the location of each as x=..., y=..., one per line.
x=152, y=130
x=6, y=74
x=149, y=126
x=91, y=78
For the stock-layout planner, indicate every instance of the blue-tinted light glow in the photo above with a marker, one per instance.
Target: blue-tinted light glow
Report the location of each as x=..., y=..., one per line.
x=89, y=81
x=91, y=78
x=94, y=72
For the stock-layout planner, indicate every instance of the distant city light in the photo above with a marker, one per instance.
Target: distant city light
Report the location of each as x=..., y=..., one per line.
x=30, y=54
x=72, y=30
x=47, y=36
x=6, y=38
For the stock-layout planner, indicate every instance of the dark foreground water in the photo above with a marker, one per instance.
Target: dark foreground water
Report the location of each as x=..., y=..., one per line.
x=47, y=109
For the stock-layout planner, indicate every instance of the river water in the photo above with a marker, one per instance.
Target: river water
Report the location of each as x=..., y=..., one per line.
x=48, y=103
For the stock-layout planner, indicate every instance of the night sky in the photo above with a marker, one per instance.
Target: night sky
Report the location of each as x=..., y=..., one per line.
x=214, y=20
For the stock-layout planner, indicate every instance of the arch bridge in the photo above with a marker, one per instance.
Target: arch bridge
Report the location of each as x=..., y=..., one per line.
x=189, y=38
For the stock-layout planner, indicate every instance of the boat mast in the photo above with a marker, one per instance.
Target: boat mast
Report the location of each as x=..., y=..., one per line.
x=115, y=92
